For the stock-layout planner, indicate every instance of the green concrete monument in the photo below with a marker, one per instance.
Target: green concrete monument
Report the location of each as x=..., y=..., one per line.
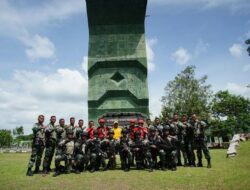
x=117, y=61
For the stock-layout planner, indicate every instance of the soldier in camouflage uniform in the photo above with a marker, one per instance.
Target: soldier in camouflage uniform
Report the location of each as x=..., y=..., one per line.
x=96, y=154
x=158, y=126
x=167, y=150
x=81, y=157
x=67, y=146
x=50, y=144
x=60, y=135
x=200, y=140
x=178, y=131
x=37, y=145
x=153, y=139
x=188, y=140
x=71, y=126
x=110, y=146
x=124, y=150
x=79, y=129
x=140, y=148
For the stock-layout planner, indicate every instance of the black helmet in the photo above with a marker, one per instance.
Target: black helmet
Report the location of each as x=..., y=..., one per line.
x=166, y=128
x=85, y=134
x=124, y=131
x=152, y=129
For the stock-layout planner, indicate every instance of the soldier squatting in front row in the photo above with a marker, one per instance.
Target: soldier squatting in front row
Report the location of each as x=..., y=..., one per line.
x=158, y=146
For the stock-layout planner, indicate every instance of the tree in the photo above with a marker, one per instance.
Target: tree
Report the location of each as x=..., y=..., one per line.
x=5, y=137
x=187, y=95
x=18, y=131
x=248, y=43
x=231, y=111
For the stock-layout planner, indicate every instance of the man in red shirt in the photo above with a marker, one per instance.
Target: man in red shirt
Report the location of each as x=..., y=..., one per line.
x=131, y=128
x=90, y=130
x=143, y=130
x=102, y=129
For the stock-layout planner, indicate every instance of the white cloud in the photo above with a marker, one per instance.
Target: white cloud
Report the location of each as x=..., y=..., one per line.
x=18, y=21
x=246, y=68
x=85, y=64
x=181, y=56
x=236, y=50
x=150, y=43
x=27, y=94
x=39, y=47
x=238, y=89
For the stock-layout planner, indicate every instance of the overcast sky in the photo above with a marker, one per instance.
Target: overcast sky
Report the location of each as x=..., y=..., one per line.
x=44, y=45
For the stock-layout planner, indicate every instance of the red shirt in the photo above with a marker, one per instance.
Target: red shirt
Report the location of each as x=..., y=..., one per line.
x=90, y=131
x=143, y=130
x=102, y=132
x=131, y=131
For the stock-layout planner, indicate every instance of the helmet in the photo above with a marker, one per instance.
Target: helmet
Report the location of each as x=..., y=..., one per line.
x=166, y=128
x=124, y=131
x=101, y=120
x=85, y=134
x=141, y=121
x=152, y=129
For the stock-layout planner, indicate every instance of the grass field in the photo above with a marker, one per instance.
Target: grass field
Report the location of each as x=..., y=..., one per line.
x=226, y=173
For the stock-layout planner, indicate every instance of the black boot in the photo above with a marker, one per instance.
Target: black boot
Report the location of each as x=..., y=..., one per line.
x=57, y=172
x=29, y=172
x=199, y=164
x=37, y=171
x=209, y=163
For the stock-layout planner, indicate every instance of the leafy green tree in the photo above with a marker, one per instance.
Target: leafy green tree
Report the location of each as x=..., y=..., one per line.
x=187, y=94
x=233, y=112
x=18, y=131
x=5, y=137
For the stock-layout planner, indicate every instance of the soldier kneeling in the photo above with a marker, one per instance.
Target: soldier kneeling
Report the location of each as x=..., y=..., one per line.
x=67, y=146
x=81, y=158
x=124, y=150
x=167, y=150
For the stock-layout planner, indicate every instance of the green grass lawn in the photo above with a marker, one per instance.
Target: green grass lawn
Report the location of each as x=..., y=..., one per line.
x=226, y=173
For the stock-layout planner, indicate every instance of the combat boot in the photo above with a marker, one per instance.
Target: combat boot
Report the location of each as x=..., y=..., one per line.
x=45, y=171
x=199, y=164
x=209, y=163
x=29, y=172
x=57, y=173
x=77, y=171
x=37, y=171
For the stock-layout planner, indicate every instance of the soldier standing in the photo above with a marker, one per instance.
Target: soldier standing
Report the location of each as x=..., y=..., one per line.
x=178, y=132
x=153, y=139
x=71, y=126
x=60, y=135
x=37, y=146
x=79, y=129
x=200, y=140
x=50, y=143
x=158, y=126
x=102, y=129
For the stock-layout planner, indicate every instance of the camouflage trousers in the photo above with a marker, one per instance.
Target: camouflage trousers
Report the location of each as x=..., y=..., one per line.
x=167, y=158
x=201, y=146
x=68, y=159
x=81, y=161
x=36, y=154
x=49, y=152
x=180, y=146
x=125, y=157
x=96, y=160
x=189, y=147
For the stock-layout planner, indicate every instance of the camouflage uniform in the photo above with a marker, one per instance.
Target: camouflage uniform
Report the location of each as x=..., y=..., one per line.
x=167, y=151
x=60, y=135
x=37, y=146
x=124, y=150
x=153, y=139
x=200, y=142
x=78, y=132
x=67, y=147
x=189, y=142
x=50, y=144
x=177, y=130
x=81, y=157
x=96, y=154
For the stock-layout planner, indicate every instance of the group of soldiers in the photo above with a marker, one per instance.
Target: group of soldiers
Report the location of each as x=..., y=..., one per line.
x=141, y=144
